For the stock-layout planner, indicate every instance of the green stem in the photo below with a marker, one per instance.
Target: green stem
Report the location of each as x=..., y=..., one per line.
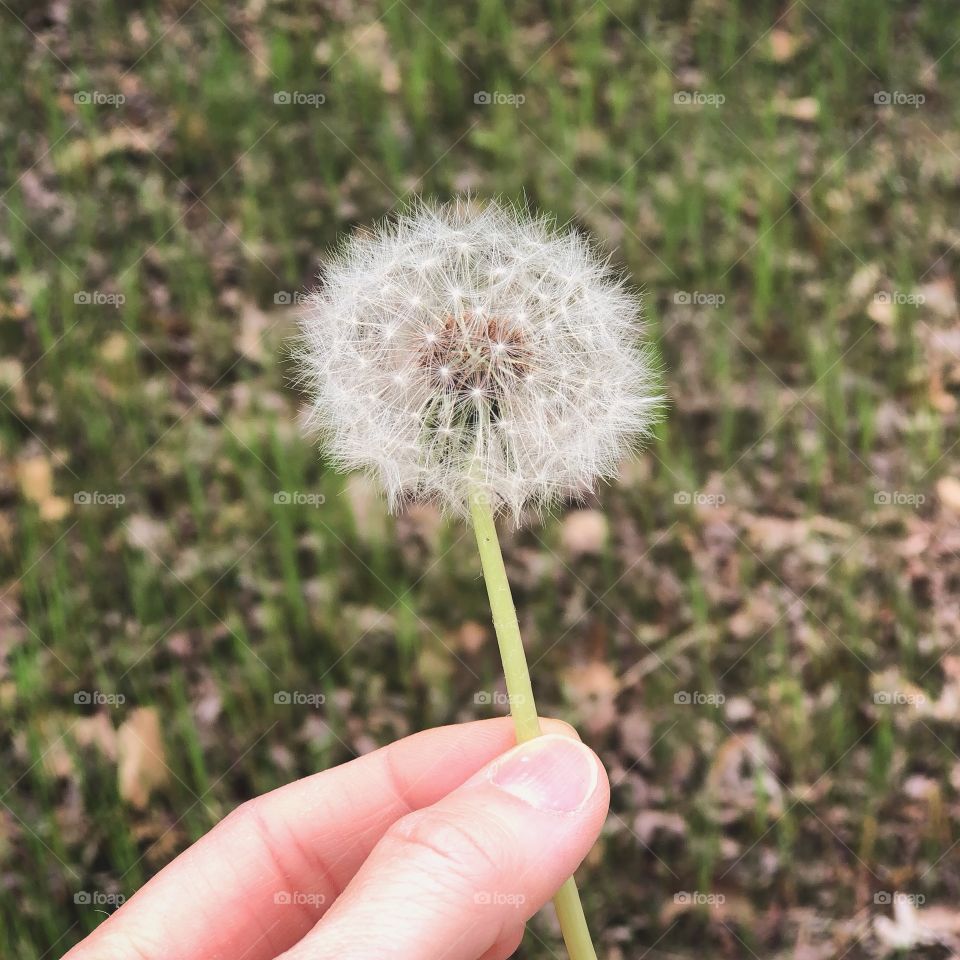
x=573, y=924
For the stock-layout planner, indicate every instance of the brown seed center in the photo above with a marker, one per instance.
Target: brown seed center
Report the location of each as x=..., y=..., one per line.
x=475, y=355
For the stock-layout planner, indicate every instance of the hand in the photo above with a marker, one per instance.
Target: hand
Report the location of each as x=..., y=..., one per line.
x=438, y=847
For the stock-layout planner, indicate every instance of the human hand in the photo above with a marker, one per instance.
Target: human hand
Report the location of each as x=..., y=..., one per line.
x=438, y=847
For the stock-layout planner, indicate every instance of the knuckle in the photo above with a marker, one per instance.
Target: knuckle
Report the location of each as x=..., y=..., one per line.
x=465, y=853
x=128, y=945
x=246, y=818
x=284, y=848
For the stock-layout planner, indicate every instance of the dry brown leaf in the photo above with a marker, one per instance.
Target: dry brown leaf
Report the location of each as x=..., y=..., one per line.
x=141, y=756
x=87, y=153
x=114, y=348
x=249, y=341
x=36, y=484
x=940, y=296
x=948, y=490
x=370, y=45
x=593, y=687
x=368, y=508
x=145, y=533
x=783, y=45
x=584, y=532
x=472, y=637
x=804, y=109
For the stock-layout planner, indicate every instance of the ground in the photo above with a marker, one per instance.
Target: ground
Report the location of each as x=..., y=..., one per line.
x=755, y=627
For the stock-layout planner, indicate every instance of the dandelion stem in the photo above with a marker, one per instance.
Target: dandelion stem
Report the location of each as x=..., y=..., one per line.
x=573, y=924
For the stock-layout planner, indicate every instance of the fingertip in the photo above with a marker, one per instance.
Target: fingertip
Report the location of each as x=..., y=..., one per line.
x=559, y=727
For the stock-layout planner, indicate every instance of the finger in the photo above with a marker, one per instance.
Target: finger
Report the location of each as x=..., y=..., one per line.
x=263, y=876
x=507, y=944
x=456, y=879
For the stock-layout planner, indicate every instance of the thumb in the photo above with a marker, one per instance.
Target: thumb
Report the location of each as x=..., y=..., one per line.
x=457, y=881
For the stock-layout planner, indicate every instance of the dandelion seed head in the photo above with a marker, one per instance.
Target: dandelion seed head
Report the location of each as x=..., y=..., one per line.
x=470, y=346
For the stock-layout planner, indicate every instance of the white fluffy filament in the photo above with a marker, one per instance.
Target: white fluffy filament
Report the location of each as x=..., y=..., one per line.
x=463, y=345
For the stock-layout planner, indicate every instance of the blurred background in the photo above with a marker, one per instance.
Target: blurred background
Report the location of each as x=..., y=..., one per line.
x=756, y=627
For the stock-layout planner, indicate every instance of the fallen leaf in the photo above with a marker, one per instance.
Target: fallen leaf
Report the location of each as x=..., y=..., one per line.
x=593, y=687
x=88, y=153
x=141, y=757
x=36, y=484
x=145, y=533
x=114, y=347
x=948, y=490
x=249, y=341
x=804, y=109
x=472, y=637
x=584, y=532
x=370, y=46
x=783, y=45
x=940, y=297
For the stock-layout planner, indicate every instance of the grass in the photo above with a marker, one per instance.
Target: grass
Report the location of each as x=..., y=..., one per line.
x=785, y=544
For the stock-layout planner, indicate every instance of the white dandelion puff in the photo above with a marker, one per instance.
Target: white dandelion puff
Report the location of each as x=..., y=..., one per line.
x=470, y=347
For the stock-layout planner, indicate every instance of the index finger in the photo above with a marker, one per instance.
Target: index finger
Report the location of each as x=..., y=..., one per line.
x=263, y=877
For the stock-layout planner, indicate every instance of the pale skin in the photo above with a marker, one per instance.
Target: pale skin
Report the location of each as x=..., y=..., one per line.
x=438, y=847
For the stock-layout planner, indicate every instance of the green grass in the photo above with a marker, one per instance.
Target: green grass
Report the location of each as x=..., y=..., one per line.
x=761, y=239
